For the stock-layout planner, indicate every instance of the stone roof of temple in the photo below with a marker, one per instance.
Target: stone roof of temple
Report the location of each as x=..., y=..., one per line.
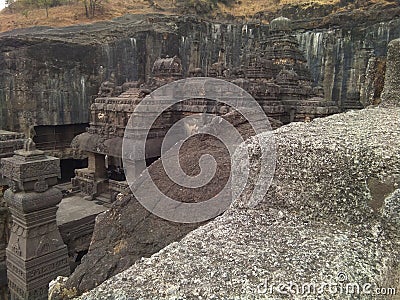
x=167, y=66
x=280, y=24
x=109, y=117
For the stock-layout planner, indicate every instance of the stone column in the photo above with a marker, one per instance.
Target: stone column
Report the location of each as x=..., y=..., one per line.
x=97, y=164
x=36, y=253
x=9, y=142
x=4, y=233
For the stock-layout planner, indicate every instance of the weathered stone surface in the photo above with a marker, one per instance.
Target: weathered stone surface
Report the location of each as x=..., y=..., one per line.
x=128, y=231
x=372, y=87
x=9, y=142
x=57, y=289
x=391, y=92
x=330, y=215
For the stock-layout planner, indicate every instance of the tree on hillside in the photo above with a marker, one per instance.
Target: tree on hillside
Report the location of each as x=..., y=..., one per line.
x=91, y=6
x=46, y=4
x=26, y=4
x=9, y=4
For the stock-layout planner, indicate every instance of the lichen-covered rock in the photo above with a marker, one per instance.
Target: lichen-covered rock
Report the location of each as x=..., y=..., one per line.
x=57, y=290
x=328, y=221
x=391, y=91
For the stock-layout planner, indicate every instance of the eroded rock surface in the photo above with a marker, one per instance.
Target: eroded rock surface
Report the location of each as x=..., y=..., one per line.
x=330, y=216
x=128, y=231
x=391, y=92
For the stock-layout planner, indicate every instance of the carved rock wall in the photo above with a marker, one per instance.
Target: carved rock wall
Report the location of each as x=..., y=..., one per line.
x=339, y=57
x=44, y=82
x=49, y=75
x=391, y=92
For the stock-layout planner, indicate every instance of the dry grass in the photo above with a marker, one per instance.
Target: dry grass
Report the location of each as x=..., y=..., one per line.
x=248, y=8
x=74, y=14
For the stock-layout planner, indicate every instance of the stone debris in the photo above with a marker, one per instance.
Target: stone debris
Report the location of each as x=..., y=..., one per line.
x=331, y=216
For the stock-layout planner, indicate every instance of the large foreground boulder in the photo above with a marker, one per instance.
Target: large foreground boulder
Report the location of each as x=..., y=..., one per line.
x=328, y=227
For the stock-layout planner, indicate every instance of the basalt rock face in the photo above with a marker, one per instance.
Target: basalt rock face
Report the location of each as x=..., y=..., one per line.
x=47, y=76
x=391, y=92
x=330, y=219
x=343, y=59
x=44, y=82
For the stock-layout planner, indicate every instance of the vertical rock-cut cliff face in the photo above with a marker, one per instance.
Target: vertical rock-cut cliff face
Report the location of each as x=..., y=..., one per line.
x=44, y=83
x=391, y=92
x=339, y=58
x=48, y=76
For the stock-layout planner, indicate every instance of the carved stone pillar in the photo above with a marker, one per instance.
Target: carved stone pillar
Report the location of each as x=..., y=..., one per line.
x=36, y=253
x=97, y=164
x=4, y=234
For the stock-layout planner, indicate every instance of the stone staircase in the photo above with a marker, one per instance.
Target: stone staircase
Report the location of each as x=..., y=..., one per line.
x=104, y=199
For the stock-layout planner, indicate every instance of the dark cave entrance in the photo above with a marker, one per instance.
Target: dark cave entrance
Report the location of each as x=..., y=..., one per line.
x=56, y=140
x=57, y=137
x=68, y=167
x=77, y=260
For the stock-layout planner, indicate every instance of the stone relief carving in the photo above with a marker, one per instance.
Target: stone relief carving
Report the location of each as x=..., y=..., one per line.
x=16, y=248
x=41, y=186
x=39, y=169
x=18, y=230
x=44, y=246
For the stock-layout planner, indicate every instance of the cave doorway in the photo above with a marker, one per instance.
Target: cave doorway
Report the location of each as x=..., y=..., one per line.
x=57, y=137
x=68, y=167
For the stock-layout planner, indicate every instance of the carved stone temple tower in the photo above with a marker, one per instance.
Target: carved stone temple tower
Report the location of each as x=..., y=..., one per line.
x=36, y=253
